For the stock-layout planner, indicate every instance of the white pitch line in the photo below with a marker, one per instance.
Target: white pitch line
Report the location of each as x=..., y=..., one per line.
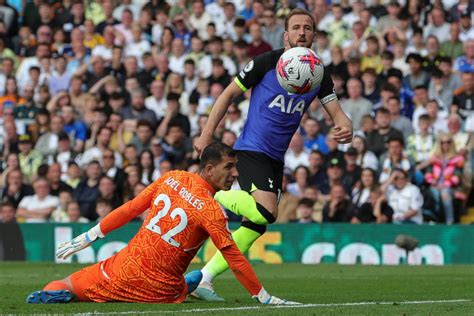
x=265, y=307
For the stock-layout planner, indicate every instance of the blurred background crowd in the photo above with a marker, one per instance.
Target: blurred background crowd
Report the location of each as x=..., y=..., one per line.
x=99, y=98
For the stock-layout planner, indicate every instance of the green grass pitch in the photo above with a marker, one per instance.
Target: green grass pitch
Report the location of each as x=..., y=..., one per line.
x=324, y=289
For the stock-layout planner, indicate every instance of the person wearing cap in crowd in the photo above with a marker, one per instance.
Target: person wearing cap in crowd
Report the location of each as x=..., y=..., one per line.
x=30, y=159
x=404, y=198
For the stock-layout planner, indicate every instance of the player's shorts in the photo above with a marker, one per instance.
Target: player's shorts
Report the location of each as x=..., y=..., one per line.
x=258, y=171
x=94, y=284
x=83, y=279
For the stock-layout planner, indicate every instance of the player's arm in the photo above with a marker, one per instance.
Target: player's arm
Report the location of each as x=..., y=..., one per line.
x=328, y=98
x=115, y=219
x=217, y=113
x=246, y=79
x=221, y=237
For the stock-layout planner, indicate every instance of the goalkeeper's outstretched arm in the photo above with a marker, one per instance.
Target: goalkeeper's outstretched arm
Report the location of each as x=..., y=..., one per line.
x=115, y=219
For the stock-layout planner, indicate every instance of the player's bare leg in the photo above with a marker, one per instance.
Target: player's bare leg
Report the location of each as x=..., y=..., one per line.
x=258, y=209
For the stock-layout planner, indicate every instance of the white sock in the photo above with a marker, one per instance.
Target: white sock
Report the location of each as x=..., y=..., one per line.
x=206, y=276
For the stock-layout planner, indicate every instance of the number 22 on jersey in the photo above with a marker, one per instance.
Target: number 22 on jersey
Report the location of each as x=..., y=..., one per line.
x=153, y=224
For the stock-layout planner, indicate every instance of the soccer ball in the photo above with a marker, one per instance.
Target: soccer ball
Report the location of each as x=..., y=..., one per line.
x=299, y=70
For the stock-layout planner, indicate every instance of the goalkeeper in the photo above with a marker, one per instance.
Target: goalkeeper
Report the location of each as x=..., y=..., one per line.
x=183, y=214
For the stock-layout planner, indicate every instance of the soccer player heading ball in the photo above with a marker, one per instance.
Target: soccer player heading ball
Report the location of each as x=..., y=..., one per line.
x=150, y=268
x=274, y=116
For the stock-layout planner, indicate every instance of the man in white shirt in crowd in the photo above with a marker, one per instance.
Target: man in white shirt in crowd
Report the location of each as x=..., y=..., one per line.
x=38, y=207
x=296, y=154
x=404, y=198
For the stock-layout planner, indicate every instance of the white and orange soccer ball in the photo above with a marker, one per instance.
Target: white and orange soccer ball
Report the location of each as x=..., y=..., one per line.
x=299, y=70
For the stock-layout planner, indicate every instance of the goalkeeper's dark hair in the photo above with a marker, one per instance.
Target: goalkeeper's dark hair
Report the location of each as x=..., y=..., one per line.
x=299, y=11
x=214, y=153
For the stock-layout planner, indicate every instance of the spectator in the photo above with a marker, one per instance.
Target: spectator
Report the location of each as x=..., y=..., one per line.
x=102, y=208
x=174, y=115
x=272, y=31
x=30, y=159
x=465, y=63
x=453, y=47
x=56, y=185
x=37, y=208
x=338, y=208
x=445, y=175
x=296, y=154
x=301, y=177
x=107, y=191
x=47, y=143
x=234, y=120
x=87, y=192
x=461, y=139
x=438, y=27
x=15, y=189
x=417, y=75
x=375, y=210
x=313, y=137
x=395, y=158
x=401, y=123
x=317, y=171
x=177, y=147
x=137, y=110
x=463, y=99
x=365, y=158
x=356, y=106
x=7, y=213
x=73, y=175
x=96, y=152
x=361, y=192
x=304, y=211
x=437, y=117
x=76, y=129
x=73, y=212
x=419, y=145
x=404, y=198
x=352, y=171
x=378, y=138
x=371, y=88
x=59, y=215
x=147, y=168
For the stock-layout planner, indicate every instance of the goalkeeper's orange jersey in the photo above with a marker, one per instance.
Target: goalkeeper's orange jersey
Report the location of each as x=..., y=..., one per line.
x=150, y=268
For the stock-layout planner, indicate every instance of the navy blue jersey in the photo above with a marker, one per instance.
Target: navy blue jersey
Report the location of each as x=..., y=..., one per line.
x=274, y=114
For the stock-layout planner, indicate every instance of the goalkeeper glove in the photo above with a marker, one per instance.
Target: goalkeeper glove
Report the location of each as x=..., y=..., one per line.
x=80, y=242
x=264, y=298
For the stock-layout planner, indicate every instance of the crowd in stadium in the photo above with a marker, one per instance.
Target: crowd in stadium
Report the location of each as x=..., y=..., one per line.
x=99, y=98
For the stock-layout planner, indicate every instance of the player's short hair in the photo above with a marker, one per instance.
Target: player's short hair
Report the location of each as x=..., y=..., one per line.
x=214, y=153
x=299, y=11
